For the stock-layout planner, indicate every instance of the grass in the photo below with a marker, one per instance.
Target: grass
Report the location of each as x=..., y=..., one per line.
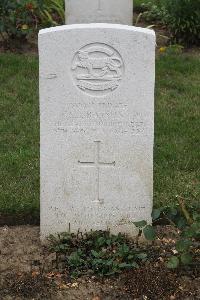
x=19, y=134
x=177, y=155
x=177, y=135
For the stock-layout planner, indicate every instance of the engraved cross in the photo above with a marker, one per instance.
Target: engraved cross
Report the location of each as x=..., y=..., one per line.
x=97, y=164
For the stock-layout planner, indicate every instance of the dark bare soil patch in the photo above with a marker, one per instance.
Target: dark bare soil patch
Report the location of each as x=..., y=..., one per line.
x=26, y=286
x=27, y=271
x=19, y=219
x=21, y=47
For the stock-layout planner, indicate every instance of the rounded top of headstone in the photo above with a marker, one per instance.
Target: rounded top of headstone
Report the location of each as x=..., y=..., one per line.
x=99, y=11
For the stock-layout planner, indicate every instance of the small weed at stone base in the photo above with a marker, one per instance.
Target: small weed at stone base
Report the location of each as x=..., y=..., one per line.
x=96, y=253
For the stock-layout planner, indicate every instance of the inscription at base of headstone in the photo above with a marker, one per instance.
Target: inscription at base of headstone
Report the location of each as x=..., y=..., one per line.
x=99, y=11
x=97, y=127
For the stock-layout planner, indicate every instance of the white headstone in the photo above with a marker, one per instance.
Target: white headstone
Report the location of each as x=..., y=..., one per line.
x=99, y=11
x=97, y=127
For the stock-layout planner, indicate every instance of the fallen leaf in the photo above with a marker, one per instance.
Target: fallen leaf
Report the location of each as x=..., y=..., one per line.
x=63, y=286
x=35, y=273
x=50, y=275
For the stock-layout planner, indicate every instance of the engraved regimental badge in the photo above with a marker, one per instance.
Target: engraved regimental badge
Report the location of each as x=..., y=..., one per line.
x=97, y=69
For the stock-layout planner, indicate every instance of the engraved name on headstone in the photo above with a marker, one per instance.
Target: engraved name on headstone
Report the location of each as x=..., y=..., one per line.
x=97, y=127
x=99, y=11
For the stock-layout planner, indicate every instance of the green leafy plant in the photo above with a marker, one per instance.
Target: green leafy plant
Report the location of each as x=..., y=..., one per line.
x=143, y=5
x=187, y=220
x=98, y=253
x=182, y=18
x=17, y=19
x=145, y=229
x=20, y=18
x=51, y=12
x=153, y=11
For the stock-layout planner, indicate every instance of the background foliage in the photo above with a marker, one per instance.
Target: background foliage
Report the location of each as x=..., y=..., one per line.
x=181, y=17
x=20, y=18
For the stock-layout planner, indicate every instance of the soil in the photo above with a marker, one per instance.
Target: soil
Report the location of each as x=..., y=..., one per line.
x=27, y=271
x=21, y=47
x=19, y=219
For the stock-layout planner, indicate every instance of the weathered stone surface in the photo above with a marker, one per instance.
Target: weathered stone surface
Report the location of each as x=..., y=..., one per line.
x=99, y=11
x=97, y=127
